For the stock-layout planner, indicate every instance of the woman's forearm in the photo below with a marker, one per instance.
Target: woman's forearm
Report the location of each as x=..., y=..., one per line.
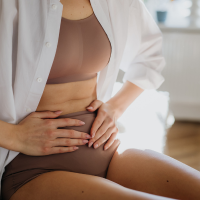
x=124, y=97
x=6, y=134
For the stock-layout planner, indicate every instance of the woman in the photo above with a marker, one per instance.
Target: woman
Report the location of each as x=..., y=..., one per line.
x=43, y=161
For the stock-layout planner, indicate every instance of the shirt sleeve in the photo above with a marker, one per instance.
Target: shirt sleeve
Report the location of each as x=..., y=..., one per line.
x=146, y=62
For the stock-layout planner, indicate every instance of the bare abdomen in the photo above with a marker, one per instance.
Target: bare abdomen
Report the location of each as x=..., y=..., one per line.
x=68, y=97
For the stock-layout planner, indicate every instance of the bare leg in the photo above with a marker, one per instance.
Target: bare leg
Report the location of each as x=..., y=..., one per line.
x=154, y=173
x=60, y=185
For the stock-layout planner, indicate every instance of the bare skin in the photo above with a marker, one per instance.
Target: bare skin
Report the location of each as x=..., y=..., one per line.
x=131, y=175
x=155, y=173
x=68, y=97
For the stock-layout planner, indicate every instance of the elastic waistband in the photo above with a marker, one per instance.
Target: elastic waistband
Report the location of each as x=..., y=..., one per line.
x=77, y=113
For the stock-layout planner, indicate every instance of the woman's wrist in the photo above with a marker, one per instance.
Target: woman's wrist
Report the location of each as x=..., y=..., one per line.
x=15, y=146
x=124, y=97
x=7, y=135
x=117, y=109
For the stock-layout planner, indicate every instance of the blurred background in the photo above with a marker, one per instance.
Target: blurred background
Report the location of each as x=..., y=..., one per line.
x=167, y=120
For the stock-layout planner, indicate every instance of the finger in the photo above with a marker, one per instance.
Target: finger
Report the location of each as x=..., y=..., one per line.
x=97, y=136
x=55, y=150
x=97, y=123
x=94, y=105
x=103, y=128
x=67, y=142
x=63, y=122
x=70, y=133
x=104, y=138
x=45, y=114
x=110, y=141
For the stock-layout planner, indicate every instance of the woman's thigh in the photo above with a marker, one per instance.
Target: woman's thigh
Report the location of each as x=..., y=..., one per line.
x=61, y=185
x=154, y=173
x=58, y=185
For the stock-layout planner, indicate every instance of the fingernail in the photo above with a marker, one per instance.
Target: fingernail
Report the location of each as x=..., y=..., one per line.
x=106, y=148
x=85, y=141
x=88, y=136
x=92, y=134
x=90, y=107
x=81, y=122
x=58, y=112
x=96, y=145
x=75, y=148
x=90, y=144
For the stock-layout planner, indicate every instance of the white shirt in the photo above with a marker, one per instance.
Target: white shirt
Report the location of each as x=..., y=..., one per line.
x=29, y=32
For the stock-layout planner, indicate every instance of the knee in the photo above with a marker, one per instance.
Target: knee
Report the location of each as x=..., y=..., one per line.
x=138, y=158
x=133, y=151
x=130, y=157
x=132, y=154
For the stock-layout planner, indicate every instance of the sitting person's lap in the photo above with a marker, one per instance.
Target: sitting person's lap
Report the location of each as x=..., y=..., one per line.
x=24, y=168
x=145, y=171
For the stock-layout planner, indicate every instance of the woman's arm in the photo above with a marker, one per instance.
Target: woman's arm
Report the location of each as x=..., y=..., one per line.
x=124, y=97
x=143, y=63
x=104, y=126
x=6, y=134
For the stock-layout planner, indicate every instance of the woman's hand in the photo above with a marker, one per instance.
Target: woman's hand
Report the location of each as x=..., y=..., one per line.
x=103, y=127
x=38, y=136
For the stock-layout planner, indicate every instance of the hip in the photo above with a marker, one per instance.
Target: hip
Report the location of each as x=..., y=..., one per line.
x=84, y=160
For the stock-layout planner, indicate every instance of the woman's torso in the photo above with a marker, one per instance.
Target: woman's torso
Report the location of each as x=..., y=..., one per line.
x=84, y=48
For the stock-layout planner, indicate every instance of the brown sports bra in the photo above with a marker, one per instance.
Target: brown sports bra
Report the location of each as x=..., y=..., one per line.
x=83, y=50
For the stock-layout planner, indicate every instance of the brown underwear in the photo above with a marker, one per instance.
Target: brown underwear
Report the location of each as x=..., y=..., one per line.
x=85, y=160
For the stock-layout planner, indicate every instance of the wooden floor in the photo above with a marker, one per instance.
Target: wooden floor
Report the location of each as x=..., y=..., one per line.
x=183, y=143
